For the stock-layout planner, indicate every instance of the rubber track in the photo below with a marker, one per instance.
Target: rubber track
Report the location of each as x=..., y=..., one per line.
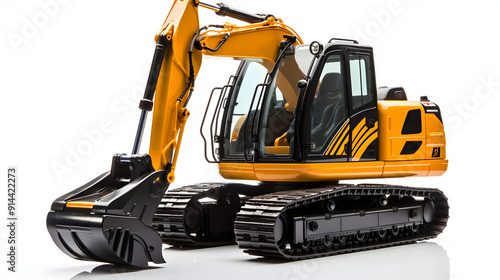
x=168, y=220
x=254, y=224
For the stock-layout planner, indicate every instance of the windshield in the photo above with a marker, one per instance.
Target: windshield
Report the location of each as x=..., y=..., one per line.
x=275, y=110
x=281, y=99
x=291, y=69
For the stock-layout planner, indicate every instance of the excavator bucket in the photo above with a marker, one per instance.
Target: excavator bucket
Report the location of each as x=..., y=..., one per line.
x=109, y=219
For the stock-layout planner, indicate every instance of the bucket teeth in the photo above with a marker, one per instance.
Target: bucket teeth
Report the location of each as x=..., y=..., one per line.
x=114, y=239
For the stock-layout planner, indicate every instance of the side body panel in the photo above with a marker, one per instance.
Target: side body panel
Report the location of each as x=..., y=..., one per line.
x=423, y=156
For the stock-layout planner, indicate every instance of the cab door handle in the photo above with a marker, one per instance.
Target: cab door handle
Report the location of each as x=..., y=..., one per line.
x=370, y=123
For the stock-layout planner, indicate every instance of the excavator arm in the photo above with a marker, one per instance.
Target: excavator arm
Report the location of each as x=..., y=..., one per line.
x=109, y=219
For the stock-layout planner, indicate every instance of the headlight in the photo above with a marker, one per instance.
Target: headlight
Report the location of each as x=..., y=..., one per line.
x=316, y=48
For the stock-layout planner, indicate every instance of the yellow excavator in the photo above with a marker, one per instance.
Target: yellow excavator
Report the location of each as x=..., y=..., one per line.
x=298, y=118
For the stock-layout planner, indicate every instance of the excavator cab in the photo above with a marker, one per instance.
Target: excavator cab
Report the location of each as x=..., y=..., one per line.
x=304, y=108
x=319, y=108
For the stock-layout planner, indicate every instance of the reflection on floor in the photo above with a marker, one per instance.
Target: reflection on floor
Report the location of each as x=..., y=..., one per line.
x=425, y=260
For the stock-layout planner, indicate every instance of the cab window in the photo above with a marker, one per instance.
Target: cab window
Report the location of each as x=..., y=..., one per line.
x=328, y=107
x=361, y=85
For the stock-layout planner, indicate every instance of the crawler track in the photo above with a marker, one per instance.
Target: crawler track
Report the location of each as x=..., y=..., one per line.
x=218, y=214
x=256, y=222
x=176, y=207
x=203, y=215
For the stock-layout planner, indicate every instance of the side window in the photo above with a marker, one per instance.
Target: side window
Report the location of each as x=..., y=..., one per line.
x=252, y=75
x=361, y=85
x=328, y=107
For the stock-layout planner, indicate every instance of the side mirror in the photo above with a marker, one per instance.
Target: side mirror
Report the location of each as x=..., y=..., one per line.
x=302, y=84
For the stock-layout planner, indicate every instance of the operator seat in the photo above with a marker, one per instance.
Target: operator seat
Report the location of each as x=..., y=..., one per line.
x=328, y=108
x=330, y=87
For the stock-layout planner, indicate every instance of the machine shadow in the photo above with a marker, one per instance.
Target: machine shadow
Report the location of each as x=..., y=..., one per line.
x=108, y=270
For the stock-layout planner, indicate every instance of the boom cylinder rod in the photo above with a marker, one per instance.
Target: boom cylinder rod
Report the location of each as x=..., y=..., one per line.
x=223, y=10
x=140, y=132
x=209, y=6
x=146, y=104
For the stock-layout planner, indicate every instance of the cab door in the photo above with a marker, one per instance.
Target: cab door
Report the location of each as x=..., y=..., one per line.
x=343, y=117
x=328, y=122
x=362, y=106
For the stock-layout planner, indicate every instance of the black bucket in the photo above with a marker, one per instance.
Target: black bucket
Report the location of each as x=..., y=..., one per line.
x=109, y=219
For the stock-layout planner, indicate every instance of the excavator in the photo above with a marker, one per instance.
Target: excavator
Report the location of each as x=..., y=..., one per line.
x=297, y=119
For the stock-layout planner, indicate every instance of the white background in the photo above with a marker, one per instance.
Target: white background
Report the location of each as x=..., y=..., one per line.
x=69, y=69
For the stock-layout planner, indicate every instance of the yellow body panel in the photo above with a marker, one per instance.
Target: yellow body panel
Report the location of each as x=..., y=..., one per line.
x=240, y=171
x=406, y=168
x=426, y=161
x=308, y=172
x=313, y=172
x=435, y=137
x=392, y=115
x=419, y=168
x=437, y=167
